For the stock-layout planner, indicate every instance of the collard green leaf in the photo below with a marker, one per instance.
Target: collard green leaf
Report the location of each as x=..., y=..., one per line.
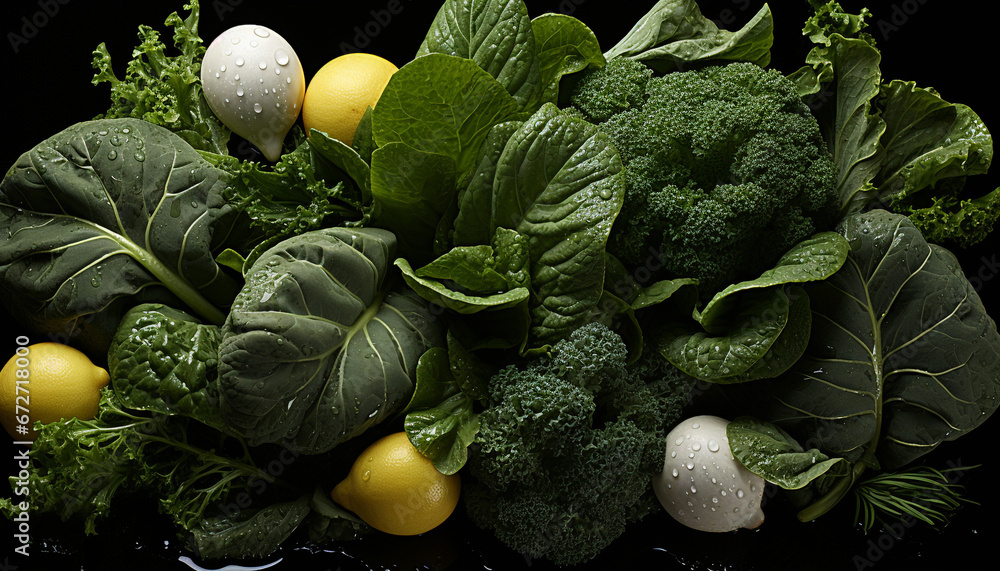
x=674, y=34
x=557, y=182
x=316, y=349
x=163, y=360
x=497, y=35
x=108, y=214
x=902, y=355
x=774, y=455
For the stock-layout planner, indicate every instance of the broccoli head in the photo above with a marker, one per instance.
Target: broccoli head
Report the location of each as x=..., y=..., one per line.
x=725, y=167
x=568, y=445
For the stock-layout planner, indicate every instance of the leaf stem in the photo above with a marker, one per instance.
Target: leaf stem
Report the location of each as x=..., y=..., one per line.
x=831, y=498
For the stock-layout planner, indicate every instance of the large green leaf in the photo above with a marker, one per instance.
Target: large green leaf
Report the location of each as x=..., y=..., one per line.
x=557, y=182
x=895, y=143
x=316, y=350
x=442, y=105
x=105, y=215
x=750, y=330
x=471, y=279
x=497, y=35
x=813, y=259
x=930, y=143
x=674, y=35
x=852, y=127
x=440, y=421
x=902, y=355
x=764, y=333
x=412, y=190
x=774, y=455
x=249, y=536
x=565, y=46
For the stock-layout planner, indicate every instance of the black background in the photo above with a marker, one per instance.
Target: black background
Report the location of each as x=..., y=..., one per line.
x=948, y=45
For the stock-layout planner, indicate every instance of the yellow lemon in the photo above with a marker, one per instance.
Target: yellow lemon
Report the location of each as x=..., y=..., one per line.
x=396, y=489
x=48, y=382
x=342, y=90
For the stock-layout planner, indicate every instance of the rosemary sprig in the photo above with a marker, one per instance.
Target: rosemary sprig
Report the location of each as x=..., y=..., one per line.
x=923, y=493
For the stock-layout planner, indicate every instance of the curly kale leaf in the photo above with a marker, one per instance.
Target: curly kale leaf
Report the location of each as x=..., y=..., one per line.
x=568, y=444
x=165, y=89
x=725, y=167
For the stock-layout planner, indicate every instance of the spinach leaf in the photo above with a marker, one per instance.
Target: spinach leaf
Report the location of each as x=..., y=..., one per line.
x=774, y=455
x=902, y=355
x=565, y=46
x=442, y=105
x=557, y=182
x=750, y=330
x=412, y=190
x=440, y=421
x=428, y=127
x=317, y=347
x=471, y=279
x=108, y=214
x=164, y=361
x=498, y=36
x=674, y=35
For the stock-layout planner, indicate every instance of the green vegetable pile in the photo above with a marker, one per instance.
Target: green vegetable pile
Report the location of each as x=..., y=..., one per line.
x=532, y=252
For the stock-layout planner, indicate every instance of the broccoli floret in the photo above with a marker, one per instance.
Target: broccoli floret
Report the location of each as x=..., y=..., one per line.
x=725, y=167
x=568, y=445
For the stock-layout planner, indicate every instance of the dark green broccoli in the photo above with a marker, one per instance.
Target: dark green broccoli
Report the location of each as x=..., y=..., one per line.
x=568, y=445
x=725, y=167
